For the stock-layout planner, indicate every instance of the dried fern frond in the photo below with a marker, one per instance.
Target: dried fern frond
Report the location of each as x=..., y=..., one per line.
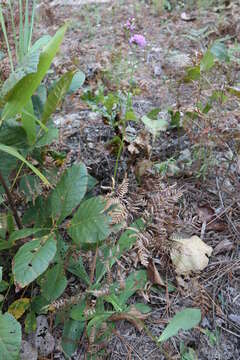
x=62, y=303
x=115, y=204
x=160, y=215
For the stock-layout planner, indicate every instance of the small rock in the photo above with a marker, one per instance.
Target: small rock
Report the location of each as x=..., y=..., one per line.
x=157, y=70
x=205, y=323
x=43, y=340
x=28, y=352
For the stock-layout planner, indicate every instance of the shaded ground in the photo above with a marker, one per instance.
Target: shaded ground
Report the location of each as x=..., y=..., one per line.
x=95, y=39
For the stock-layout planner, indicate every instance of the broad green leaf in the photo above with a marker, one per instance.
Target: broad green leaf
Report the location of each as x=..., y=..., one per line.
x=32, y=259
x=185, y=319
x=30, y=322
x=11, y=151
x=77, y=268
x=10, y=337
x=29, y=122
x=98, y=320
x=153, y=114
x=78, y=311
x=18, y=307
x=193, y=74
x=56, y=95
x=72, y=332
x=40, y=43
x=25, y=88
x=69, y=192
x=207, y=61
x=77, y=81
x=155, y=126
x=126, y=241
x=54, y=283
x=13, y=134
x=3, y=285
x=220, y=51
x=48, y=137
x=143, y=308
x=39, y=99
x=90, y=225
x=28, y=66
x=130, y=116
x=135, y=281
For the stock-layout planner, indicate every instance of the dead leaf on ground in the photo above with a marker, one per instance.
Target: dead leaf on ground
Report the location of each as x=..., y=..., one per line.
x=187, y=17
x=223, y=246
x=205, y=213
x=189, y=254
x=133, y=316
x=153, y=274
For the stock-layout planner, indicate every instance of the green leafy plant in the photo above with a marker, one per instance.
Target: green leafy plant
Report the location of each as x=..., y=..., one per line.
x=185, y=320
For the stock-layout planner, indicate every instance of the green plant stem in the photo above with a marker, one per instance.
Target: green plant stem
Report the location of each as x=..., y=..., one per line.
x=124, y=126
x=6, y=38
x=31, y=24
x=11, y=202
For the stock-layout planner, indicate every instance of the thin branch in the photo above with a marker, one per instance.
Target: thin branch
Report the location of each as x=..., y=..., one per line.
x=11, y=202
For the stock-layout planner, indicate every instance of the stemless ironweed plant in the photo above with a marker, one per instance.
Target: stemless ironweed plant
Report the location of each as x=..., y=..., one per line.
x=134, y=40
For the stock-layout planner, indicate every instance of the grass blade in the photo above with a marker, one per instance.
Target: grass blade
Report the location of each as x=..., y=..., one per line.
x=11, y=151
x=6, y=38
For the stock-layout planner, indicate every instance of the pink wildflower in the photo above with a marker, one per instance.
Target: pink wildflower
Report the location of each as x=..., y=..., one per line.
x=138, y=40
x=130, y=24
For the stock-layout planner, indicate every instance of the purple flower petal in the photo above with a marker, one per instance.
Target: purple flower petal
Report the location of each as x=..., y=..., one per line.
x=138, y=40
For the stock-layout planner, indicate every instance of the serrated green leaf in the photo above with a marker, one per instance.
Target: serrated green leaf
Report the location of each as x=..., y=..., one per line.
x=54, y=283
x=69, y=192
x=185, y=319
x=32, y=259
x=90, y=225
x=77, y=268
x=56, y=95
x=10, y=337
x=25, y=88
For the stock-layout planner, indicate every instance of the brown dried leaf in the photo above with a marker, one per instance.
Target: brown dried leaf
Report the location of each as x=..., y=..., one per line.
x=205, y=213
x=190, y=254
x=223, y=246
x=153, y=274
x=133, y=316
